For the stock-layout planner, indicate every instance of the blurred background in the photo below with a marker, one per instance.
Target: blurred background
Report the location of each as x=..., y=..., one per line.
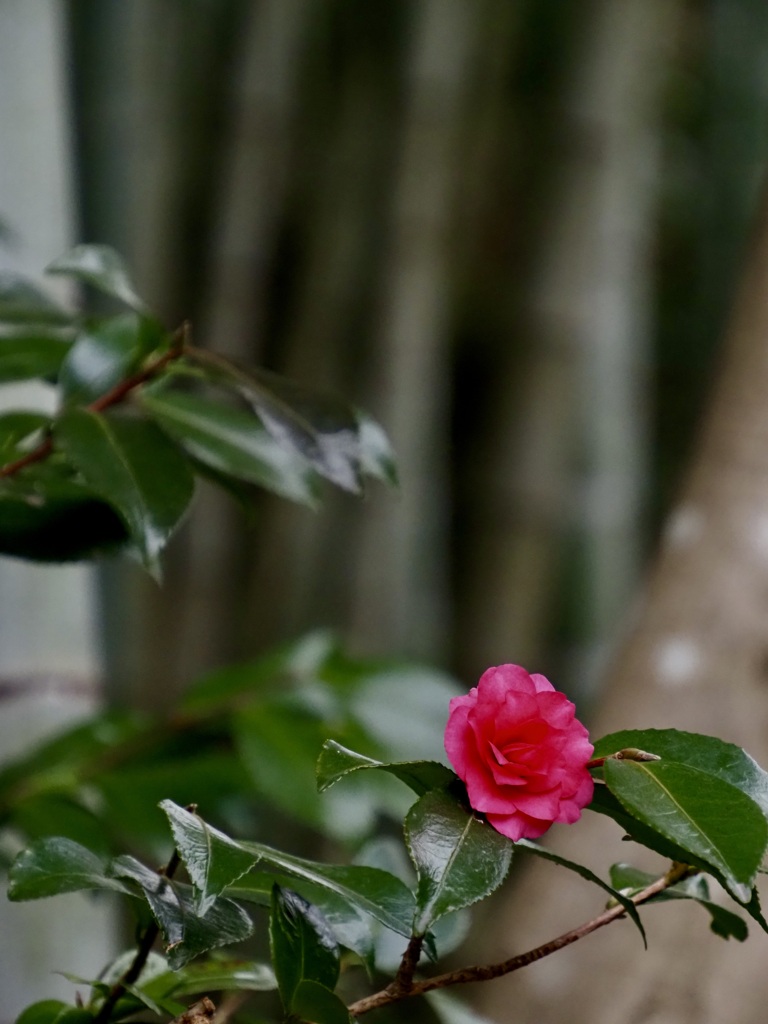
x=510, y=229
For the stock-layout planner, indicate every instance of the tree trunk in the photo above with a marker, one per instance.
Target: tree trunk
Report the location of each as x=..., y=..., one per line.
x=695, y=659
x=570, y=443
x=400, y=600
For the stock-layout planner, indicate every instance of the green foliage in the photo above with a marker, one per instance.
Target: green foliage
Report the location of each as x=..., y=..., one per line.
x=724, y=923
x=141, y=412
x=459, y=859
x=140, y=415
x=684, y=805
x=303, y=949
x=336, y=762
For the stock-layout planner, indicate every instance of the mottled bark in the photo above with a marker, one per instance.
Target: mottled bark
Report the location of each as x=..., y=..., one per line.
x=695, y=658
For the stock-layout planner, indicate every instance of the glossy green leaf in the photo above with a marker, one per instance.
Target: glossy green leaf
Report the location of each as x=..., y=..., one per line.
x=353, y=928
x=724, y=760
x=459, y=859
x=225, y=924
x=590, y=876
x=232, y=441
x=321, y=429
x=604, y=802
x=312, y=1001
x=212, y=859
x=135, y=467
x=335, y=762
x=102, y=268
x=187, y=932
x=32, y=353
x=302, y=944
x=724, y=923
x=160, y=893
x=378, y=893
x=45, y=517
x=106, y=353
x=55, y=865
x=696, y=811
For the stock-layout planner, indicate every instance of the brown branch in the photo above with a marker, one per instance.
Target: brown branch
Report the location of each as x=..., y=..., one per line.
x=142, y=953
x=112, y=397
x=465, y=975
x=201, y=1012
x=403, y=982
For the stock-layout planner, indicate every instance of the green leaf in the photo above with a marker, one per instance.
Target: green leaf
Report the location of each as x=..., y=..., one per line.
x=102, y=268
x=376, y=892
x=696, y=811
x=302, y=944
x=16, y=427
x=714, y=756
x=135, y=467
x=590, y=876
x=335, y=762
x=280, y=669
x=312, y=1001
x=133, y=788
x=105, y=354
x=231, y=441
x=53, y=1011
x=46, y=517
x=29, y=353
x=160, y=893
x=223, y=976
x=58, y=763
x=44, y=1012
x=459, y=859
x=276, y=744
x=187, y=932
x=604, y=802
x=55, y=865
x=25, y=303
x=60, y=814
x=727, y=925
x=321, y=429
x=352, y=927
x=212, y=859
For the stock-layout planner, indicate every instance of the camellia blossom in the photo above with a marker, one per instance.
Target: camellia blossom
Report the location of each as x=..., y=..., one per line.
x=516, y=744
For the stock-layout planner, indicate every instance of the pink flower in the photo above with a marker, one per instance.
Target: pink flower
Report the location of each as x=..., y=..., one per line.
x=515, y=743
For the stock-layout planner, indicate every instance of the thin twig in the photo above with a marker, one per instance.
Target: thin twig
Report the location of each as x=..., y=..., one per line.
x=465, y=975
x=112, y=397
x=142, y=953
